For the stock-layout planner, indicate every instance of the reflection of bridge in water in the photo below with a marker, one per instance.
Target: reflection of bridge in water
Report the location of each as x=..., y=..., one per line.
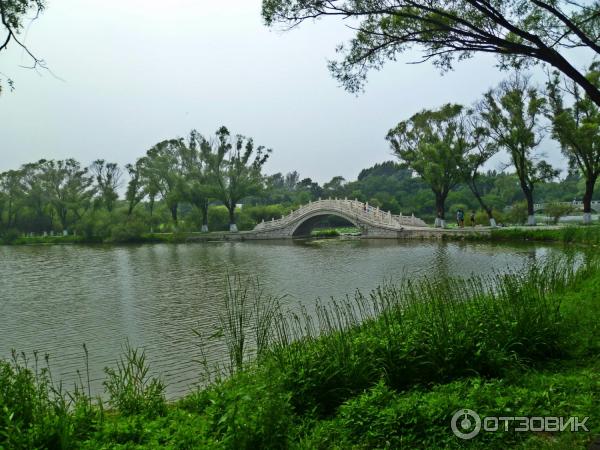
x=576, y=205
x=371, y=221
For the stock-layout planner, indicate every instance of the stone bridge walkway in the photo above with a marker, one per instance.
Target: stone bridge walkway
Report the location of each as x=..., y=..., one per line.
x=372, y=222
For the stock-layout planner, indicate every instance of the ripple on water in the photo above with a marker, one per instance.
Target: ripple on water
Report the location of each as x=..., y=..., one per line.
x=53, y=299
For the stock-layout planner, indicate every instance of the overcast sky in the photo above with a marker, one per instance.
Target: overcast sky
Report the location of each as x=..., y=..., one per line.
x=135, y=72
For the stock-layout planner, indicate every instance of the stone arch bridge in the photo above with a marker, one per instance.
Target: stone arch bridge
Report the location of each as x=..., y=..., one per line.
x=372, y=222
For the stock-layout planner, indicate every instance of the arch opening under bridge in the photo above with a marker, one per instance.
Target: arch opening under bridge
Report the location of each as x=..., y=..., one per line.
x=312, y=221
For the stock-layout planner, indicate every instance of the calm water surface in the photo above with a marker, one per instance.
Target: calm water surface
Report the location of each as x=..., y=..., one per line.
x=53, y=299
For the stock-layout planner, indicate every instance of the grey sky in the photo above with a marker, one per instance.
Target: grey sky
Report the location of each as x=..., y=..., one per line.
x=138, y=71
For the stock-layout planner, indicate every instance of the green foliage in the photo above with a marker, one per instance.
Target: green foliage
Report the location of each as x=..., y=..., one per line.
x=251, y=412
x=35, y=413
x=434, y=145
x=520, y=33
x=484, y=326
x=129, y=231
x=234, y=167
x=577, y=129
x=382, y=417
x=518, y=213
x=557, y=210
x=571, y=234
x=130, y=387
x=513, y=112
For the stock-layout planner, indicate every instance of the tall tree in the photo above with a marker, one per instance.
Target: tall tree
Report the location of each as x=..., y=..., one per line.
x=513, y=112
x=433, y=144
x=519, y=32
x=334, y=187
x=479, y=152
x=235, y=166
x=108, y=180
x=164, y=173
x=69, y=188
x=11, y=191
x=577, y=129
x=36, y=196
x=12, y=15
x=135, y=188
x=197, y=175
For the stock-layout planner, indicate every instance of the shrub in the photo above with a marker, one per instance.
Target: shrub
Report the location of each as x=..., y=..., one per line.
x=9, y=236
x=129, y=231
x=34, y=413
x=250, y=412
x=517, y=213
x=130, y=388
x=557, y=210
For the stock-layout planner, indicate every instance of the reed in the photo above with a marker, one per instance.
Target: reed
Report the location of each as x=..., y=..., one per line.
x=419, y=332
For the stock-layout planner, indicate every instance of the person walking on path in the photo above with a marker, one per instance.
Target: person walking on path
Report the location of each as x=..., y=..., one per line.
x=472, y=218
x=460, y=218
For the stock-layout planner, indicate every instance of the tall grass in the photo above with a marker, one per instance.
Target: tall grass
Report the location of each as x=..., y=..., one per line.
x=246, y=325
x=421, y=332
x=36, y=412
x=131, y=388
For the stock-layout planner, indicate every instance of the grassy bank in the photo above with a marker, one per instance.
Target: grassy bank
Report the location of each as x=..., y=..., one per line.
x=589, y=235
x=144, y=238
x=386, y=370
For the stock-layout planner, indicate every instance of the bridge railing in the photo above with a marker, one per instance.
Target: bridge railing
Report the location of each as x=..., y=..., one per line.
x=362, y=211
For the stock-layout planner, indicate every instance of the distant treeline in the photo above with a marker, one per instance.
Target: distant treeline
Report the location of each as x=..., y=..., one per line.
x=199, y=184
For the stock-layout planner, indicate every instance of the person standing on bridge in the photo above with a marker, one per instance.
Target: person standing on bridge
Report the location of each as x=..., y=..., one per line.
x=472, y=218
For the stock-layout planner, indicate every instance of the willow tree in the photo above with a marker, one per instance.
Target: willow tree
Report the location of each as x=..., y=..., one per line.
x=518, y=32
x=433, y=144
x=577, y=128
x=235, y=167
x=514, y=112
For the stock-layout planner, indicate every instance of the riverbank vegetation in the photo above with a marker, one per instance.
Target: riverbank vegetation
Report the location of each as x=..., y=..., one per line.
x=567, y=235
x=387, y=369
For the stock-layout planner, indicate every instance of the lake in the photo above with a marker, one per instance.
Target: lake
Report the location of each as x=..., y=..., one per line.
x=53, y=299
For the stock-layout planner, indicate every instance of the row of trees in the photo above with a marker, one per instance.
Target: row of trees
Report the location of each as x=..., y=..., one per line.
x=450, y=145
x=520, y=33
x=195, y=171
x=27, y=205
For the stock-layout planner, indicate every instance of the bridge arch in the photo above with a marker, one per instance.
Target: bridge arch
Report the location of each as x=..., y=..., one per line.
x=308, y=222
